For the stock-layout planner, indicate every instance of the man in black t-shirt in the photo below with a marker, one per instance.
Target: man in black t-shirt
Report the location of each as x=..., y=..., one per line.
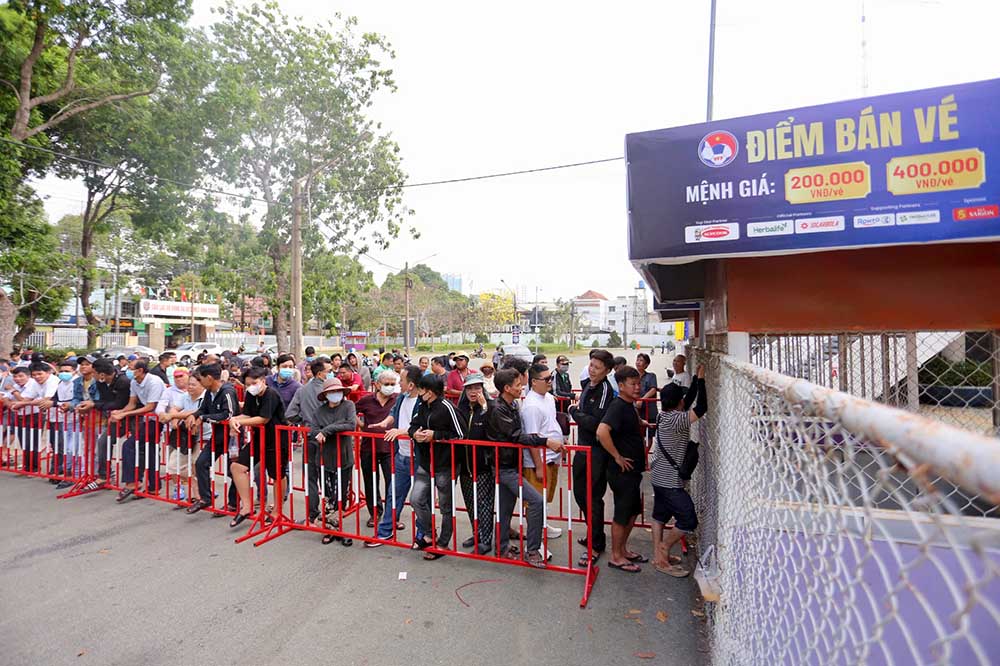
x=621, y=435
x=263, y=412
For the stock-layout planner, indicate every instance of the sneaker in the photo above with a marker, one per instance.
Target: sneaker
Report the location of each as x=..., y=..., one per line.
x=547, y=553
x=62, y=485
x=372, y=544
x=536, y=560
x=179, y=494
x=553, y=532
x=469, y=543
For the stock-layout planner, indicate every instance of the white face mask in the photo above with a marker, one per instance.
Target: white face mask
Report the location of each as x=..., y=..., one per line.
x=387, y=389
x=254, y=389
x=335, y=397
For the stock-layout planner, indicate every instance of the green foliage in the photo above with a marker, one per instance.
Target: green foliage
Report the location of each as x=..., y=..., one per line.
x=482, y=338
x=595, y=344
x=939, y=372
x=614, y=340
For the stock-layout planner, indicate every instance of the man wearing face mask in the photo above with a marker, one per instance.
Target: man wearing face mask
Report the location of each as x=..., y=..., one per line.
x=376, y=452
x=562, y=387
x=283, y=382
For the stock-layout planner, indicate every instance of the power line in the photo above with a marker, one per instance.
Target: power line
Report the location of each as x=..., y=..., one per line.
x=247, y=197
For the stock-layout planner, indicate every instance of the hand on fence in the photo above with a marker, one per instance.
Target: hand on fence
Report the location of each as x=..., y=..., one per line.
x=321, y=438
x=700, y=371
x=394, y=434
x=555, y=445
x=423, y=436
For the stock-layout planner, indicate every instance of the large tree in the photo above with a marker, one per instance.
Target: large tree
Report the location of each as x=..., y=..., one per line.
x=73, y=56
x=292, y=100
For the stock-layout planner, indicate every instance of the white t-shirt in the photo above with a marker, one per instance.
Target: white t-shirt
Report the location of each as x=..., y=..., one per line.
x=405, y=415
x=682, y=378
x=538, y=417
x=64, y=393
x=33, y=390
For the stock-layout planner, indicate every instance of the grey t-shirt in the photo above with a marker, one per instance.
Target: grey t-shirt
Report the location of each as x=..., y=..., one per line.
x=149, y=391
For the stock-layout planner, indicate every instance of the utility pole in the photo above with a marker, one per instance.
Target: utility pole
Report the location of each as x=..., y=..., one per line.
x=297, y=343
x=572, y=325
x=625, y=327
x=711, y=64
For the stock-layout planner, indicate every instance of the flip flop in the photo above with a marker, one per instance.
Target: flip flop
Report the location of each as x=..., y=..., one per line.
x=582, y=562
x=433, y=556
x=637, y=558
x=628, y=567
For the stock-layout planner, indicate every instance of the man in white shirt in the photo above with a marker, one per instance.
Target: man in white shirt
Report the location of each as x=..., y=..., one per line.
x=538, y=417
x=37, y=400
x=145, y=392
x=64, y=434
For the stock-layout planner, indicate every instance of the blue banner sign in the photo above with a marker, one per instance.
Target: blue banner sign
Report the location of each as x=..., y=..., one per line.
x=916, y=167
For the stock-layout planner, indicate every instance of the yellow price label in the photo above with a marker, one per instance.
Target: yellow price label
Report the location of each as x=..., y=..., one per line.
x=936, y=172
x=829, y=182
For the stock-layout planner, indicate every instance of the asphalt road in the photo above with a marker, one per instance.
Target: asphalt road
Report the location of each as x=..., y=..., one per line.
x=86, y=580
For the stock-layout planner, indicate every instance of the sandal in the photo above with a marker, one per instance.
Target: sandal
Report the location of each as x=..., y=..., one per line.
x=225, y=510
x=584, y=560
x=674, y=570
x=330, y=538
x=240, y=517
x=421, y=545
x=197, y=506
x=637, y=558
x=628, y=567
x=124, y=494
x=371, y=522
x=430, y=557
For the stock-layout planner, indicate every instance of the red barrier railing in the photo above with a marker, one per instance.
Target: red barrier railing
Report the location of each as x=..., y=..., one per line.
x=179, y=462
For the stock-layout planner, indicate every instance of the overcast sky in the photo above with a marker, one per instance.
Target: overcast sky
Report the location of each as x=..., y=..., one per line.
x=494, y=87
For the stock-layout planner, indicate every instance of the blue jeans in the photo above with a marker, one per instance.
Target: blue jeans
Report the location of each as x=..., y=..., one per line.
x=399, y=491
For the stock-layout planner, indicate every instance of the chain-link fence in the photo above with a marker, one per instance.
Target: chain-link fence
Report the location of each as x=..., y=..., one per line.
x=838, y=536
x=951, y=376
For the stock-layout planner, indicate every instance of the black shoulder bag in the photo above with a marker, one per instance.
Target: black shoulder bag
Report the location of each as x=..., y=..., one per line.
x=686, y=468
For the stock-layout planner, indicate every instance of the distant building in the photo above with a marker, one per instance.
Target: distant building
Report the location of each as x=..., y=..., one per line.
x=627, y=315
x=454, y=281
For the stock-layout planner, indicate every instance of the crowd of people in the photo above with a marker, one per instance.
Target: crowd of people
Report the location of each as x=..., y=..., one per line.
x=405, y=415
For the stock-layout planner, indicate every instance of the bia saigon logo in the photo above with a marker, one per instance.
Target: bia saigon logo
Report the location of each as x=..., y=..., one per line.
x=718, y=149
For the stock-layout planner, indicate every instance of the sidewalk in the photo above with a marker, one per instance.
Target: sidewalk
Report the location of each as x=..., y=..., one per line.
x=89, y=581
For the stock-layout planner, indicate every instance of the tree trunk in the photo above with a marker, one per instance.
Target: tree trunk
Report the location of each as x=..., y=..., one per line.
x=282, y=329
x=29, y=323
x=87, y=282
x=8, y=315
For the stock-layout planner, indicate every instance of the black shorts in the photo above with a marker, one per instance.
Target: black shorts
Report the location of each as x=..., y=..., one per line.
x=628, y=498
x=674, y=503
x=270, y=460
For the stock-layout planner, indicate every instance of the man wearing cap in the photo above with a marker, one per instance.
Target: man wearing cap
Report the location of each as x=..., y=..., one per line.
x=562, y=387
x=474, y=464
x=139, y=451
x=456, y=378
x=85, y=384
x=334, y=415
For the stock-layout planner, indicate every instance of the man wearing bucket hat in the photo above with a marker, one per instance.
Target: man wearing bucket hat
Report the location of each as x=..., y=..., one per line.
x=335, y=415
x=475, y=463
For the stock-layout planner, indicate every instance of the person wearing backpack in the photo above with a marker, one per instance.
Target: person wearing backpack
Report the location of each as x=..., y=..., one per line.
x=674, y=458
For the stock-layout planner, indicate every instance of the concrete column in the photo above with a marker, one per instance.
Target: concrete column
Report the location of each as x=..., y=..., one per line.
x=739, y=345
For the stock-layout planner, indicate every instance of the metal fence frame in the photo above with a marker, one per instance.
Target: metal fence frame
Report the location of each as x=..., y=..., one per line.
x=834, y=532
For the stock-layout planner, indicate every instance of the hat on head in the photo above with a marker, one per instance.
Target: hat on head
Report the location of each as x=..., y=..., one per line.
x=132, y=357
x=332, y=384
x=472, y=379
x=487, y=365
x=461, y=355
x=561, y=359
x=86, y=359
